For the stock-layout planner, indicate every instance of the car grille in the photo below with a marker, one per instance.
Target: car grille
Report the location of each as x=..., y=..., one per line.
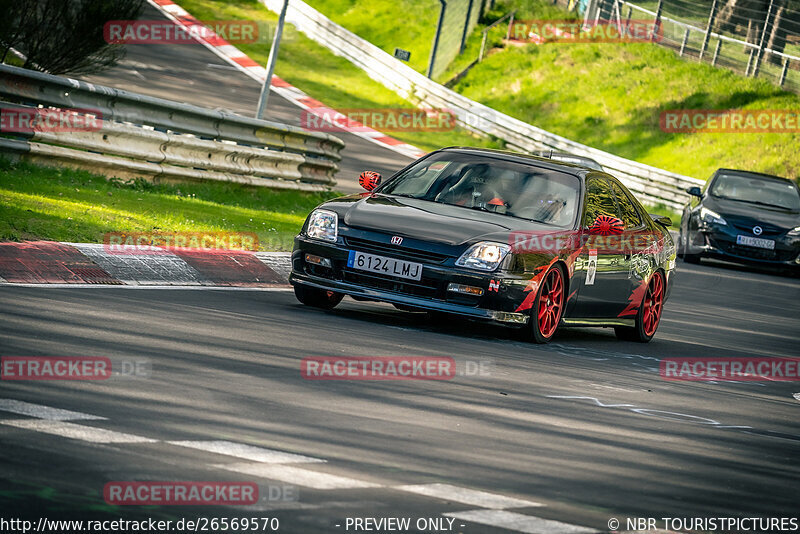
x=409, y=254
x=426, y=287
x=768, y=230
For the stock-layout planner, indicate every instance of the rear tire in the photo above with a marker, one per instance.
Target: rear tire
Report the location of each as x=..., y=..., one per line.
x=317, y=298
x=649, y=316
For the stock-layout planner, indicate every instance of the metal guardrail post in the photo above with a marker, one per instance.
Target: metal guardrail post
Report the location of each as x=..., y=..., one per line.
x=483, y=44
x=711, y=17
x=657, y=20
x=783, y=71
x=685, y=40
x=761, y=42
x=273, y=58
x=619, y=17
x=435, y=46
x=590, y=9
x=510, y=24
x=466, y=27
x=716, y=53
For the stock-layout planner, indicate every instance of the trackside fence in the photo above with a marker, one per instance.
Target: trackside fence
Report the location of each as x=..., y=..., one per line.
x=157, y=139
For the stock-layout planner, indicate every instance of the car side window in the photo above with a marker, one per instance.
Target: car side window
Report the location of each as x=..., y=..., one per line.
x=599, y=200
x=627, y=211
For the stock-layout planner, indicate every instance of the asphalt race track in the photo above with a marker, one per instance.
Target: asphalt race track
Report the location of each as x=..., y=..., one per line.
x=556, y=439
x=193, y=74
x=585, y=427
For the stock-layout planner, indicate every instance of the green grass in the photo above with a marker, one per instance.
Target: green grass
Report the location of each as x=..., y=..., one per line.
x=67, y=205
x=324, y=76
x=610, y=97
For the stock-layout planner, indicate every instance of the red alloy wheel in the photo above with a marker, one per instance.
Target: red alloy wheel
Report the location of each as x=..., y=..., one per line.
x=653, y=303
x=551, y=303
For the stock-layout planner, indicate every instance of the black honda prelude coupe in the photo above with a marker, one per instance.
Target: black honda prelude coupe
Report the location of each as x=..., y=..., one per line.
x=492, y=235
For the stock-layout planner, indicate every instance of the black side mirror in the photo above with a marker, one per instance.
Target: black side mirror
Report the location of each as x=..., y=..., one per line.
x=663, y=220
x=694, y=191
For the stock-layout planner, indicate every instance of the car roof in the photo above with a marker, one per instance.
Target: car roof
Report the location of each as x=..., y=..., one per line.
x=518, y=157
x=753, y=173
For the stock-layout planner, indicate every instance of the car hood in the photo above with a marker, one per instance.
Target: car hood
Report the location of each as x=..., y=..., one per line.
x=428, y=221
x=745, y=213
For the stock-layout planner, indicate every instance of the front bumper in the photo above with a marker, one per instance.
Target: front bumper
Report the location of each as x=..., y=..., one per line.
x=719, y=243
x=496, y=305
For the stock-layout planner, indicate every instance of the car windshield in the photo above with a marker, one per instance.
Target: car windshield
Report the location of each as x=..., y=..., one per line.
x=491, y=184
x=757, y=190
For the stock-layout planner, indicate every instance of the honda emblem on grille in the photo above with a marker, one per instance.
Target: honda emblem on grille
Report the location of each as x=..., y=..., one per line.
x=397, y=240
x=757, y=230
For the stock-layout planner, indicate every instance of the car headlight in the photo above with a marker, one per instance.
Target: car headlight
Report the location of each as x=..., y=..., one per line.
x=323, y=225
x=794, y=231
x=711, y=217
x=484, y=256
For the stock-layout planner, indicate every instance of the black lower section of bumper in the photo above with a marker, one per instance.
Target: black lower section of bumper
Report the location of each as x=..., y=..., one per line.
x=501, y=294
x=406, y=300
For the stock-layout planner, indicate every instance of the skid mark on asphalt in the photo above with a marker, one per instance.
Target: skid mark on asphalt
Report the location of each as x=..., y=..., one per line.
x=680, y=417
x=519, y=522
x=270, y=464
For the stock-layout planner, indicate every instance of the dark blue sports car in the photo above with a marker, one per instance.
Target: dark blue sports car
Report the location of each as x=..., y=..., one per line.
x=745, y=217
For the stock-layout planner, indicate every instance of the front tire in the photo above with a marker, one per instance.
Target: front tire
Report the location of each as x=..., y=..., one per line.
x=548, y=308
x=685, y=256
x=317, y=298
x=649, y=316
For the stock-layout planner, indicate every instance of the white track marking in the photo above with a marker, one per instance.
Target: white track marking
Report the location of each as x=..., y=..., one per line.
x=112, y=286
x=519, y=522
x=796, y=396
x=247, y=452
x=44, y=412
x=468, y=496
x=298, y=476
x=73, y=431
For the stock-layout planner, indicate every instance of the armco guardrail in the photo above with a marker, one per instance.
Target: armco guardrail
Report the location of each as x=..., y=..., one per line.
x=157, y=138
x=652, y=185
